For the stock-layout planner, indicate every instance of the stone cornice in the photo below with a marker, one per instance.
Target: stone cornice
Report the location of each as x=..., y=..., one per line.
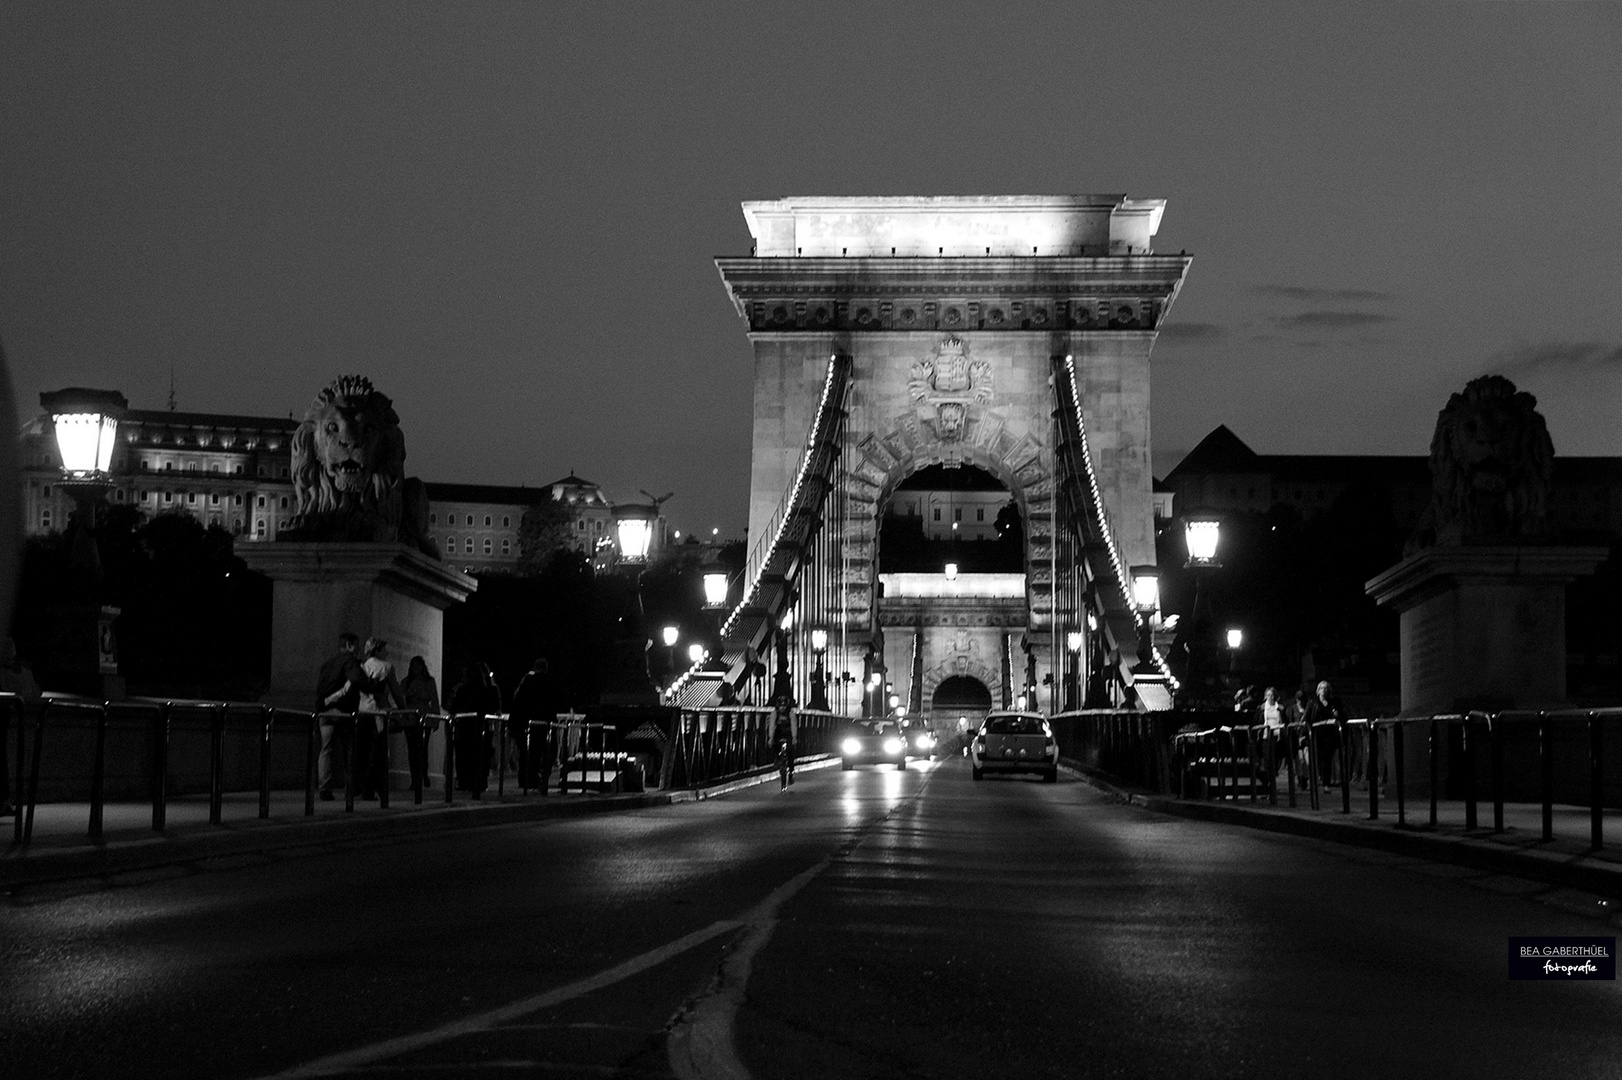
x=995, y=293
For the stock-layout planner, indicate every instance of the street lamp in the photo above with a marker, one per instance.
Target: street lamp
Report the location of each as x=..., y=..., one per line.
x=1073, y=642
x=951, y=571
x=783, y=681
x=696, y=652
x=629, y=682
x=1146, y=601
x=1202, y=532
x=819, y=675
x=85, y=424
x=715, y=589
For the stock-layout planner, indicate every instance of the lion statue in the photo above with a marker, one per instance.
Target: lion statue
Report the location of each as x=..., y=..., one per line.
x=349, y=472
x=1491, y=462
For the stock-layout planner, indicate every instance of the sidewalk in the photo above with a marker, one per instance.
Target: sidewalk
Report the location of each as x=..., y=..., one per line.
x=61, y=848
x=1519, y=851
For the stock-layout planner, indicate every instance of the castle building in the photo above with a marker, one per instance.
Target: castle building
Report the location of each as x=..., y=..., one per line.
x=477, y=525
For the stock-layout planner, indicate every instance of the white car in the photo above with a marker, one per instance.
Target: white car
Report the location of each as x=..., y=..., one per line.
x=1015, y=742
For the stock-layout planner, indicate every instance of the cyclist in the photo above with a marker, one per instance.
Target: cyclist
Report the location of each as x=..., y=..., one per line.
x=783, y=748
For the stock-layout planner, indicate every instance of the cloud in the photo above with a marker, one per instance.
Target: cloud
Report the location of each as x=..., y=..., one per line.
x=1192, y=331
x=1299, y=292
x=1331, y=320
x=1557, y=356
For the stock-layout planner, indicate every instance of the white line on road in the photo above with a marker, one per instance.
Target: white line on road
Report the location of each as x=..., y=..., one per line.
x=700, y=1046
x=404, y=1044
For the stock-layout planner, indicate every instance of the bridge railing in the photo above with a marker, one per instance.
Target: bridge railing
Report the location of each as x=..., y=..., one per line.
x=711, y=745
x=1518, y=758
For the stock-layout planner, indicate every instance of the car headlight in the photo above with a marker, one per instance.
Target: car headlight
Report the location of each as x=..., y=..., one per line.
x=894, y=746
x=852, y=746
x=925, y=741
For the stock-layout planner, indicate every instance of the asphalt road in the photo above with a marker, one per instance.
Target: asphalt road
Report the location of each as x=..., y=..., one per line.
x=864, y=924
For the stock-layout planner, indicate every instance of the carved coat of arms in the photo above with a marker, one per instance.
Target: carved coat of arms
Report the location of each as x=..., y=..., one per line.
x=946, y=384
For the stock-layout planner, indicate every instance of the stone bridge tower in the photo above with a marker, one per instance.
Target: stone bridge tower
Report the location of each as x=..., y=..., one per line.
x=952, y=311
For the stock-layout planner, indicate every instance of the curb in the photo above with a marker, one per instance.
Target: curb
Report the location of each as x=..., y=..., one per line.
x=1554, y=868
x=199, y=843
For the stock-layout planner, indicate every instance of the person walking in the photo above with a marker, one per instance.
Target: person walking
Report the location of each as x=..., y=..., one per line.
x=534, y=711
x=479, y=695
x=338, y=688
x=421, y=694
x=1270, y=715
x=381, y=694
x=1326, y=719
x=783, y=749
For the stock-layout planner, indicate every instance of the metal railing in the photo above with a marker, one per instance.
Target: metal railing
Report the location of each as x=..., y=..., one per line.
x=698, y=747
x=1459, y=753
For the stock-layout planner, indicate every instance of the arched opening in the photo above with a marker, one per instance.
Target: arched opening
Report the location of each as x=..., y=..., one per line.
x=961, y=695
x=962, y=515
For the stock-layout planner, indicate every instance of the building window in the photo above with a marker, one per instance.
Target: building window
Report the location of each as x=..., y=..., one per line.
x=506, y=547
x=433, y=519
x=236, y=526
x=168, y=466
x=213, y=468
x=580, y=525
x=284, y=502
x=118, y=496
x=979, y=513
x=259, y=528
x=487, y=545
x=467, y=546
x=237, y=470
x=937, y=513
x=506, y=522
x=470, y=521
x=213, y=500
x=146, y=496
x=261, y=501
x=957, y=513
x=45, y=519
x=487, y=521
x=191, y=466
x=45, y=492
x=191, y=498
x=236, y=500
x=168, y=497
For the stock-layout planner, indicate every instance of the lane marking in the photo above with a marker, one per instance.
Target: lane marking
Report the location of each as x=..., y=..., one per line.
x=471, y=1025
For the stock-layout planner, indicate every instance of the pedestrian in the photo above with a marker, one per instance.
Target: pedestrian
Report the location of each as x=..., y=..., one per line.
x=15, y=678
x=534, y=711
x=338, y=688
x=381, y=694
x=1326, y=719
x=477, y=699
x=1270, y=715
x=783, y=748
x=421, y=694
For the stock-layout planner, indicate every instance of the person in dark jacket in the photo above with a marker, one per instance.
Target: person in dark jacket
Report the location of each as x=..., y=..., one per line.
x=534, y=711
x=478, y=694
x=1325, y=709
x=338, y=687
x=421, y=694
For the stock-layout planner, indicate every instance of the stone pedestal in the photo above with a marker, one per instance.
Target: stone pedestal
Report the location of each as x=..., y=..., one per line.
x=1483, y=627
x=372, y=590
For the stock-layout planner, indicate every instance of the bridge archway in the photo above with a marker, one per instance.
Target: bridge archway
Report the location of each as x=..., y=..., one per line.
x=891, y=334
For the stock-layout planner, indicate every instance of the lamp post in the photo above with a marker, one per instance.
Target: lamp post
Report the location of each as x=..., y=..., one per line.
x=629, y=682
x=783, y=679
x=1073, y=642
x=85, y=424
x=669, y=636
x=1202, y=533
x=1146, y=601
x=1236, y=638
x=819, y=674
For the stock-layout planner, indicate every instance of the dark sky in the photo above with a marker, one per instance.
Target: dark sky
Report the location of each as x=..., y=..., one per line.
x=505, y=214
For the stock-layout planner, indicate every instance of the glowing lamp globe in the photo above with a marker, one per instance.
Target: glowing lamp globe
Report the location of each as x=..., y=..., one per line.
x=695, y=652
x=633, y=529
x=1236, y=637
x=715, y=589
x=1202, y=532
x=670, y=634
x=86, y=425
x=819, y=639
x=1073, y=640
x=1146, y=589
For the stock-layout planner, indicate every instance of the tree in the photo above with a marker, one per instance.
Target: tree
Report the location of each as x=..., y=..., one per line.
x=546, y=528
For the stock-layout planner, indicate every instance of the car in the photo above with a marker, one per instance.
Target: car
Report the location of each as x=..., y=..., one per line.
x=873, y=741
x=1014, y=742
x=920, y=741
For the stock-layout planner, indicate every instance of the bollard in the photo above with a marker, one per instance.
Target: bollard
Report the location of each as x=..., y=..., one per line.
x=160, y=767
x=1371, y=768
x=1596, y=783
x=1546, y=773
x=312, y=746
x=450, y=756
x=1397, y=737
x=1495, y=744
x=266, y=728
x=1469, y=764
x=1434, y=767
x=98, y=774
x=216, y=763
